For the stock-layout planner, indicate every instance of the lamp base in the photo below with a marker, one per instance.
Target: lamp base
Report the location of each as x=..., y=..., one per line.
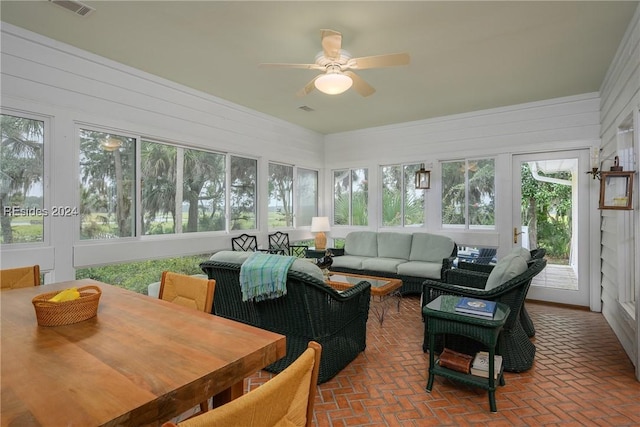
x=321, y=241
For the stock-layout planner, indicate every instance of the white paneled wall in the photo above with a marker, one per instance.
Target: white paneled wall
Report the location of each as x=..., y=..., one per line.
x=620, y=99
x=69, y=88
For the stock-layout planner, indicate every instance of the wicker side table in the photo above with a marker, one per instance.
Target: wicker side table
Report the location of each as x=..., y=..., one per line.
x=443, y=319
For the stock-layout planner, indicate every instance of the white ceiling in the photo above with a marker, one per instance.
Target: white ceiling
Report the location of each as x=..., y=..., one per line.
x=465, y=56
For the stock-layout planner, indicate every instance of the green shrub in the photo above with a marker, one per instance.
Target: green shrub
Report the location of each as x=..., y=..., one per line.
x=136, y=276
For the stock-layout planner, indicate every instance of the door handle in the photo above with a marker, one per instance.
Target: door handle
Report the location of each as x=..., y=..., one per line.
x=515, y=234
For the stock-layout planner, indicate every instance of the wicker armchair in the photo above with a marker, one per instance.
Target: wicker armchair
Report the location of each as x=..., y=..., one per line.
x=463, y=267
x=514, y=345
x=310, y=311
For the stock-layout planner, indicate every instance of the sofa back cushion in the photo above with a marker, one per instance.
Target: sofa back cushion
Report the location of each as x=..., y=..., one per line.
x=299, y=264
x=361, y=243
x=394, y=245
x=430, y=247
x=506, y=269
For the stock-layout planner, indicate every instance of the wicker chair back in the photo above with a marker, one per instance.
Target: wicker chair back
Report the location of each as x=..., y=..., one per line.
x=310, y=310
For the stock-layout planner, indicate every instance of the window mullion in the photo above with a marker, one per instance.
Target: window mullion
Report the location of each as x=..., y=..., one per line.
x=179, y=188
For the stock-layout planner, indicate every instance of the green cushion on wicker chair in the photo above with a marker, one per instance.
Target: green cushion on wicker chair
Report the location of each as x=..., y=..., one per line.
x=506, y=269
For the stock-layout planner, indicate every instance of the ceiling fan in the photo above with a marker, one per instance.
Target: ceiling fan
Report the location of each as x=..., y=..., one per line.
x=337, y=64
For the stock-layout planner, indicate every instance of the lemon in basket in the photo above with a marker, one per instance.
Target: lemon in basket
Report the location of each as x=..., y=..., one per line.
x=66, y=295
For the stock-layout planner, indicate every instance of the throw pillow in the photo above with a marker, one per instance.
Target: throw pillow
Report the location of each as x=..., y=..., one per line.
x=506, y=269
x=523, y=252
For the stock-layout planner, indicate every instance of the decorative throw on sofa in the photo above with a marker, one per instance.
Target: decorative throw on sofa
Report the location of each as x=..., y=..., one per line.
x=264, y=276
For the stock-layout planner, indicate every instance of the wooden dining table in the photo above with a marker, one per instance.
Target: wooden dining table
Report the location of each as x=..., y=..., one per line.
x=140, y=361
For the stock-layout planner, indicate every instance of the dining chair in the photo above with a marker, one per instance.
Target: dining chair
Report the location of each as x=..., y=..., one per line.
x=279, y=241
x=244, y=242
x=191, y=292
x=21, y=277
x=286, y=399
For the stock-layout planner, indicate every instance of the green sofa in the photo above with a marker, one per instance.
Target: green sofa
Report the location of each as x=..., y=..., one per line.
x=310, y=311
x=411, y=257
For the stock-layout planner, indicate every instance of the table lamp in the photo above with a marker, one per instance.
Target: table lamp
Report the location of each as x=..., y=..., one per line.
x=320, y=224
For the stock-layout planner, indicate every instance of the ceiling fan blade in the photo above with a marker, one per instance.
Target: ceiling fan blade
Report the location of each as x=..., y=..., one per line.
x=331, y=43
x=308, y=87
x=360, y=86
x=307, y=66
x=379, y=61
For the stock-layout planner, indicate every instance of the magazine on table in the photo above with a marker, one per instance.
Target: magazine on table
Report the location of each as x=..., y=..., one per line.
x=478, y=307
x=480, y=365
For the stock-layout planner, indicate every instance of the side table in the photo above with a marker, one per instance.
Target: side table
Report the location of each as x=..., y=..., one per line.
x=316, y=253
x=441, y=318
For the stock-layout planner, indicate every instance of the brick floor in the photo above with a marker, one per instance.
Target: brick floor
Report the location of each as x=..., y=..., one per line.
x=581, y=377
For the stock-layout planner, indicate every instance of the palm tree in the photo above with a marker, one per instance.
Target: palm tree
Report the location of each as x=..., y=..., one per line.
x=281, y=188
x=203, y=181
x=158, y=168
x=111, y=174
x=21, y=167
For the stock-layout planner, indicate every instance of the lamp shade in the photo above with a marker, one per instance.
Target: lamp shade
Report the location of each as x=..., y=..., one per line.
x=333, y=83
x=320, y=223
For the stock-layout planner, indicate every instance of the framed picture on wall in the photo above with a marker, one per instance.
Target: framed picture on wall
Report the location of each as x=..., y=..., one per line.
x=616, y=190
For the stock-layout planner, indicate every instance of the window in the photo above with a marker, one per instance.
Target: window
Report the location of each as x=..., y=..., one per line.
x=107, y=185
x=21, y=180
x=140, y=274
x=626, y=250
x=307, y=196
x=280, y=195
x=402, y=203
x=350, y=197
x=468, y=196
x=242, y=193
x=183, y=189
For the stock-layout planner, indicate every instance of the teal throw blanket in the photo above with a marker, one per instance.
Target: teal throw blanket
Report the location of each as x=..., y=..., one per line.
x=264, y=276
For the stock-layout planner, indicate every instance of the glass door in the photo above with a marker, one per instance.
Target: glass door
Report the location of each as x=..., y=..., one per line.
x=551, y=212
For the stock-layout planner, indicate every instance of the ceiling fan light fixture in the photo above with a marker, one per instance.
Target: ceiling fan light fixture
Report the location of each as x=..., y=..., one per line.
x=333, y=83
x=110, y=144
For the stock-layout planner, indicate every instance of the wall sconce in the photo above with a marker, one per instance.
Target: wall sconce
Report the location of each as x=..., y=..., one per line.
x=320, y=224
x=595, y=163
x=616, y=188
x=423, y=178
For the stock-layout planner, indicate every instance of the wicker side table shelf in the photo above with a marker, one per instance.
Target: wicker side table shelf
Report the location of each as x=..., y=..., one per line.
x=442, y=318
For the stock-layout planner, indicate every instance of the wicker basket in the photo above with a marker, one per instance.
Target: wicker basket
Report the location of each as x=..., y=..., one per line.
x=67, y=312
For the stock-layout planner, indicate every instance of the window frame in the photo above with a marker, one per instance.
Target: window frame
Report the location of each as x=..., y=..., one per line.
x=297, y=194
x=350, y=172
x=46, y=177
x=139, y=138
x=467, y=226
x=404, y=181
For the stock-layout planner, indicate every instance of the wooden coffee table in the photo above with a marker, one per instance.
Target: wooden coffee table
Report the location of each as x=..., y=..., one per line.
x=382, y=288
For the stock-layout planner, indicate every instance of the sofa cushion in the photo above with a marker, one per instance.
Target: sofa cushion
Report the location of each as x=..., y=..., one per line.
x=387, y=265
x=430, y=247
x=361, y=243
x=506, y=269
x=300, y=265
x=348, y=261
x=394, y=245
x=233, y=257
x=428, y=270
